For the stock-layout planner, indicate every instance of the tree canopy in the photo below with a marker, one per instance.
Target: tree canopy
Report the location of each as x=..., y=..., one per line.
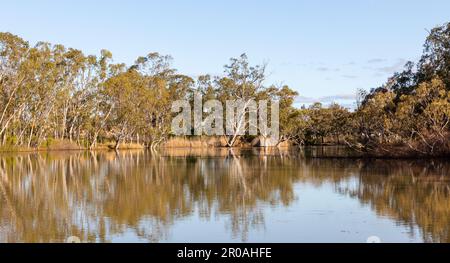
x=50, y=92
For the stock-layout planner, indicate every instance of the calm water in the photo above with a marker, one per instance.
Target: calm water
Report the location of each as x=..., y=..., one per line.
x=221, y=196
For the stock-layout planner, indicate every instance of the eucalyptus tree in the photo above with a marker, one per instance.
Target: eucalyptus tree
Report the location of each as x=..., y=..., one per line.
x=435, y=61
x=124, y=92
x=410, y=113
x=163, y=85
x=100, y=105
x=340, y=119
x=13, y=53
x=43, y=69
x=289, y=116
x=242, y=84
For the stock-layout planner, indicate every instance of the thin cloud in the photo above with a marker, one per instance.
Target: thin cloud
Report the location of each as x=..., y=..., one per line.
x=393, y=68
x=376, y=60
x=326, y=99
x=323, y=69
x=303, y=99
x=338, y=97
x=349, y=76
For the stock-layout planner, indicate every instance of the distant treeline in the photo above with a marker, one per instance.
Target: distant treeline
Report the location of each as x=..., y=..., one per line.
x=50, y=92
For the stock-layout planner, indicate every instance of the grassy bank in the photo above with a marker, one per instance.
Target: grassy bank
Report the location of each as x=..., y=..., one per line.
x=201, y=142
x=66, y=145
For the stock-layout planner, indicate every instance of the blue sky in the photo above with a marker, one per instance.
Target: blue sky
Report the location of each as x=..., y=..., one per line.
x=319, y=48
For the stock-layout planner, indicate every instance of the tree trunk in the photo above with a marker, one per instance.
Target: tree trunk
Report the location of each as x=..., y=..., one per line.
x=4, y=139
x=116, y=147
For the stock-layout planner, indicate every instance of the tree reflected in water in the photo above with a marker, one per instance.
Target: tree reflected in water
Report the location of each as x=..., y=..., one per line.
x=101, y=195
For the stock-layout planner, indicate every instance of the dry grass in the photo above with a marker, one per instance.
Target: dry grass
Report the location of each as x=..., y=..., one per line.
x=195, y=142
x=122, y=146
x=57, y=145
x=66, y=145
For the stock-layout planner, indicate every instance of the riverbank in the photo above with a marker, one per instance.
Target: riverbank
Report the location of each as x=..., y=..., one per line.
x=200, y=145
x=65, y=145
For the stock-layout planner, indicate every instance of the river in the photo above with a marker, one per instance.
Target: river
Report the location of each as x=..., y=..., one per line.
x=218, y=195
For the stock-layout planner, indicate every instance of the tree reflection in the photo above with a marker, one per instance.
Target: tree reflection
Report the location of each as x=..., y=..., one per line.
x=99, y=195
x=415, y=193
x=48, y=197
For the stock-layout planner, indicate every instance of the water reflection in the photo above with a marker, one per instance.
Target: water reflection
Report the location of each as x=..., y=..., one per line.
x=101, y=195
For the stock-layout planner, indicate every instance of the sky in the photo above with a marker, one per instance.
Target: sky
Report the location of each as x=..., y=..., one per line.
x=325, y=50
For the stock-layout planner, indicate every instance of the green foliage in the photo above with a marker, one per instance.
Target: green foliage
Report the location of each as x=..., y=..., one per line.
x=411, y=113
x=53, y=93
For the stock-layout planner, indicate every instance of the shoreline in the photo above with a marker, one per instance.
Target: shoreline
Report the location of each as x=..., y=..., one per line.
x=128, y=147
